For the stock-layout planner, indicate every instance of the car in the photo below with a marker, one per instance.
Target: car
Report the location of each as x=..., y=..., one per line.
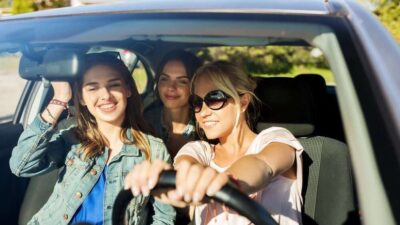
x=348, y=119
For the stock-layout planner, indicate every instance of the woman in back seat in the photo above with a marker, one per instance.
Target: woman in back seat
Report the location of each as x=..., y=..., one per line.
x=267, y=166
x=173, y=120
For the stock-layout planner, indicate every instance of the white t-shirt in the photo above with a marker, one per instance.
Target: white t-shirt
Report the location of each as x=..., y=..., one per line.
x=282, y=197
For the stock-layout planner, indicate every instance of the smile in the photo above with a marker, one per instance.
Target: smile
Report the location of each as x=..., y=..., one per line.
x=209, y=124
x=170, y=97
x=109, y=107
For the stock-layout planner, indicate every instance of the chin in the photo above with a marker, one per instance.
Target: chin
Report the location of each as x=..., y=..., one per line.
x=108, y=118
x=173, y=105
x=211, y=135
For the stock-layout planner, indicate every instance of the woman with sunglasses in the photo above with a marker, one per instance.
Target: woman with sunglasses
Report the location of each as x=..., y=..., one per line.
x=172, y=119
x=95, y=154
x=267, y=166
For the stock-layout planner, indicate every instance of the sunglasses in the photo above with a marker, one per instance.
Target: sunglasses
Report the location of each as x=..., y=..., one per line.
x=214, y=100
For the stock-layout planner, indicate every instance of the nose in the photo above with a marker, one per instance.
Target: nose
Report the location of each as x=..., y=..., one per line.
x=204, y=111
x=105, y=93
x=171, y=84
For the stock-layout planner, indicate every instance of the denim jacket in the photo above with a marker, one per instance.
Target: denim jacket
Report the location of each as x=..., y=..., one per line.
x=42, y=148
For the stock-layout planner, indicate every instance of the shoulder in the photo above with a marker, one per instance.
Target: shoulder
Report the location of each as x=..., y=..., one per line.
x=154, y=140
x=158, y=148
x=156, y=144
x=198, y=145
x=276, y=132
x=202, y=151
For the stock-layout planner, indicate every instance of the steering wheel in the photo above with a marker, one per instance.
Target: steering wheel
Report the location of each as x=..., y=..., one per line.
x=228, y=195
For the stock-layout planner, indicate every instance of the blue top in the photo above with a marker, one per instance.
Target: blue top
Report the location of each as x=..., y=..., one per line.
x=91, y=210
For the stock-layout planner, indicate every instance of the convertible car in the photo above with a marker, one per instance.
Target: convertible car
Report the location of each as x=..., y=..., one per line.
x=347, y=116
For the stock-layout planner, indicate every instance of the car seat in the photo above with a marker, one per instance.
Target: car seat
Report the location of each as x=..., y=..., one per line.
x=328, y=190
x=328, y=116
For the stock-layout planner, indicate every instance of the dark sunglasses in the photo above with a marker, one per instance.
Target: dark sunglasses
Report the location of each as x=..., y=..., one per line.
x=214, y=100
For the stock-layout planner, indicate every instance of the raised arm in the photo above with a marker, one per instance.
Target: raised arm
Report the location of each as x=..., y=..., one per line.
x=41, y=146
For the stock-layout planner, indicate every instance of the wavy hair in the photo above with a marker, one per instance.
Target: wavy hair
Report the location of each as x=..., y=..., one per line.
x=92, y=141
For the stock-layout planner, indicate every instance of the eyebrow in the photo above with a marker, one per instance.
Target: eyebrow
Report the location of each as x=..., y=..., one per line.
x=97, y=83
x=180, y=77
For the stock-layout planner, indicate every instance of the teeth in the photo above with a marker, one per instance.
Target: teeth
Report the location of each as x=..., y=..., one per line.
x=107, y=106
x=209, y=123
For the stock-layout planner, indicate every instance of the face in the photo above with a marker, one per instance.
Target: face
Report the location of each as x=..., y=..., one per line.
x=105, y=94
x=173, y=85
x=217, y=123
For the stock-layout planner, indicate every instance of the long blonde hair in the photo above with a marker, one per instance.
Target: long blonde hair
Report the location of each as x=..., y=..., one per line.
x=232, y=80
x=92, y=141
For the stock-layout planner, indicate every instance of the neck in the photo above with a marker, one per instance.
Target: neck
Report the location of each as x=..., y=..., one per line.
x=176, y=119
x=238, y=141
x=111, y=132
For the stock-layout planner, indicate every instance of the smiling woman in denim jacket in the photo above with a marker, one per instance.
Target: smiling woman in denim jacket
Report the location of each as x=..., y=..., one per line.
x=95, y=155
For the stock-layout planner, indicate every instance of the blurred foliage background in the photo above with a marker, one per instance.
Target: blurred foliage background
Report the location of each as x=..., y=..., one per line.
x=388, y=11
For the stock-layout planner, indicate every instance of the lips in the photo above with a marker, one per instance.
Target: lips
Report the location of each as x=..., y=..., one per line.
x=107, y=107
x=171, y=97
x=209, y=124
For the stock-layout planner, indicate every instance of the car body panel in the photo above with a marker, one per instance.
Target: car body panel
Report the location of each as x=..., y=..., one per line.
x=371, y=113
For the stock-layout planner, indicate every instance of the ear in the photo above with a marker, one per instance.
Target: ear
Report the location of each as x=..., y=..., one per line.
x=245, y=100
x=129, y=94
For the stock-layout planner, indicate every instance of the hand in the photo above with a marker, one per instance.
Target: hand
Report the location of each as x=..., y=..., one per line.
x=62, y=90
x=193, y=182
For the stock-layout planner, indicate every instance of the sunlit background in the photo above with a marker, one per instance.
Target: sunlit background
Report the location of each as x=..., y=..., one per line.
x=388, y=11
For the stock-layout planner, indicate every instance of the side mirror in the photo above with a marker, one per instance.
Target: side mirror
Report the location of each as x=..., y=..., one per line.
x=57, y=64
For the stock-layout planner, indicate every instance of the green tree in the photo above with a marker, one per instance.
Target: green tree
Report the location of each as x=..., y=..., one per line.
x=265, y=60
x=23, y=6
x=389, y=14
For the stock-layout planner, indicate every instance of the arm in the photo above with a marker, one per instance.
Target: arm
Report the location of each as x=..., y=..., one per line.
x=164, y=213
x=40, y=147
x=254, y=172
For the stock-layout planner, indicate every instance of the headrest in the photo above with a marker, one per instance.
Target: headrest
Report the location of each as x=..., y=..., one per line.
x=316, y=83
x=286, y=102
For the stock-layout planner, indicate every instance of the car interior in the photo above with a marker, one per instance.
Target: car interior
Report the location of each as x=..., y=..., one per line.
x=303, y=103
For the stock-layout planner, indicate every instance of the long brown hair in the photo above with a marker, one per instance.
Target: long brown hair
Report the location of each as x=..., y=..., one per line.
x=92, y=141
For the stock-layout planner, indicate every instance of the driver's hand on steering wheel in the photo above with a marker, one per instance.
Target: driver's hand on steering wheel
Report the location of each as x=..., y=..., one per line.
x=193, y=181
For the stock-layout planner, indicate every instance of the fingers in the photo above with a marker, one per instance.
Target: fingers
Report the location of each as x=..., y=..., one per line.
x=206, y=179
x=193, y=177
x=217, y=183
x=193, y=182
x=144, y=177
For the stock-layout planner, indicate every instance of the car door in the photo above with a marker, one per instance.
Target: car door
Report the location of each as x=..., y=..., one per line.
x=13, y=97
